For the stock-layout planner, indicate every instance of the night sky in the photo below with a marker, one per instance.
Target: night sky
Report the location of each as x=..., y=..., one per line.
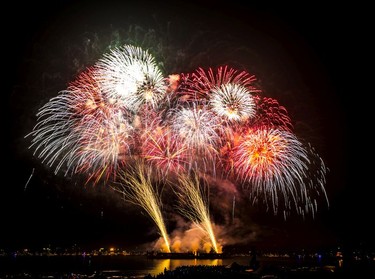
x=309, y=58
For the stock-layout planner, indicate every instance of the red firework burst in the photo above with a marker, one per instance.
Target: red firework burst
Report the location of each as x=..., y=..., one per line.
x=197, y=86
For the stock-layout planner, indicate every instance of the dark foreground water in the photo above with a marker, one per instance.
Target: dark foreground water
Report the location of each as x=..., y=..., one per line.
x=141, y=266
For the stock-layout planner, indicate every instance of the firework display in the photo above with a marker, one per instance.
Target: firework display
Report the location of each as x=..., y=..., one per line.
x=124, y=110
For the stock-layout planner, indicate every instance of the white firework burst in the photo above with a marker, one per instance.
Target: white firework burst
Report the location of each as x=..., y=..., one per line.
x=199, y=130
x=131, y=76
x=233, y=102
x=197, y=127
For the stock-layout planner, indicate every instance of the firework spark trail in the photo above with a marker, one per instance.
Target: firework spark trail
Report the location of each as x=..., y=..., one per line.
x=136, y=187
x=192, y=204
x=315, y=180
x=27, y=182
x=273, y=162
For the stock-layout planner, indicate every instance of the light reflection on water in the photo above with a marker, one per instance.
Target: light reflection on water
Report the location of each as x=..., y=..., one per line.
x=144, y=266
x=161, y=265
x=129, y=265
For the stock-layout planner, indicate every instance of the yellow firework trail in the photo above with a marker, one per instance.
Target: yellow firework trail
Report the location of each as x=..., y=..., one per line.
x=194, y=206
x=136, y=187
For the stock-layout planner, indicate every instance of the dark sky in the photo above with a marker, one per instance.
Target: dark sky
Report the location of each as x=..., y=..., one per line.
x=309, y=58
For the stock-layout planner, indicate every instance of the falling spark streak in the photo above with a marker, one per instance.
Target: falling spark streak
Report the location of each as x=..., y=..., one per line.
x=195, y=207
x=136, y=187
x=234, y=205
x=31, y=175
